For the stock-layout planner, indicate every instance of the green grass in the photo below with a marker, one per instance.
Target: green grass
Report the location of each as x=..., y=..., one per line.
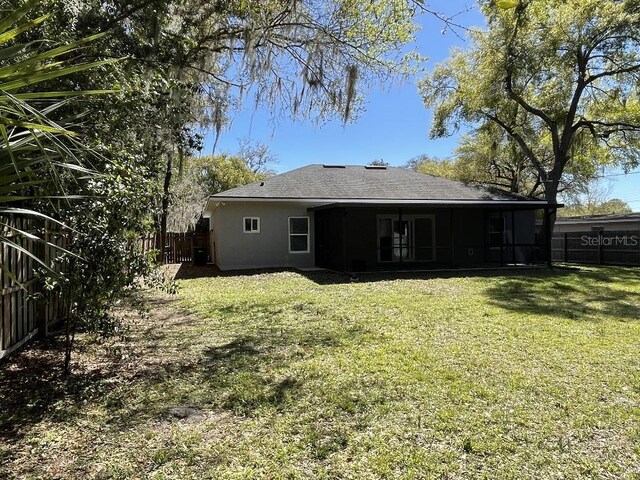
x=528, y=375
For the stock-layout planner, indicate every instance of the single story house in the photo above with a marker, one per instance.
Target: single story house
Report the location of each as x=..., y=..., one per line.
x=352, y=218
x=625, y=222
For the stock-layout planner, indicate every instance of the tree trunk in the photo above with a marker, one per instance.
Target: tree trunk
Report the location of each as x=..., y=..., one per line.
x=165, y=206
x=551, y=196
x=549, y=219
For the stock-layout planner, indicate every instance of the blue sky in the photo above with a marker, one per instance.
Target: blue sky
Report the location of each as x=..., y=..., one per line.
x=394, y=127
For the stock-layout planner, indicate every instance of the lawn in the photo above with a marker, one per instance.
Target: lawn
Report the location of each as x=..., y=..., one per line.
x=280, y=375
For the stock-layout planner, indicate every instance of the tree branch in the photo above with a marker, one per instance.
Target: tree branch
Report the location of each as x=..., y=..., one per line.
x=524, y=104
x=523, y=145
x=611, y=73
x=614, y=127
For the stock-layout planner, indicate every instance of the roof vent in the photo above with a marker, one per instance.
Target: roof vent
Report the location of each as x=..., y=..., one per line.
x=375, y=167
x=333, y=166
x=262, y=184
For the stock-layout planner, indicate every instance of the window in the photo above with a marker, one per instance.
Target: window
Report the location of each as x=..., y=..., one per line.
x=298, y=234
x=251, y=224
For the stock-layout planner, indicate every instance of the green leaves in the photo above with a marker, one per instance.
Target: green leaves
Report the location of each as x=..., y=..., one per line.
x=40, y=66
x=506, y=4
x=38, y=157
x=559, y=82
x=17, y=14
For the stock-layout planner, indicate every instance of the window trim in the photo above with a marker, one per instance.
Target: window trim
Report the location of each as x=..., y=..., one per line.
x=244, y=224
x=308, y=235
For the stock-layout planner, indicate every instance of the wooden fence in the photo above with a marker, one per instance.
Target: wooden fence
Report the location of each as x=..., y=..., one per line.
x=24, y=315
x=179, y=246
x=27, y=310
x=598, y=248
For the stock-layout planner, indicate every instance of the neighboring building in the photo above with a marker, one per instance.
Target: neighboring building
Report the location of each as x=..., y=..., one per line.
x=598, y=239
x=357, y=218
x=623, y=222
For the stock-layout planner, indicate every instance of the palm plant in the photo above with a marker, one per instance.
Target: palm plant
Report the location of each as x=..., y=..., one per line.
x=36, y=153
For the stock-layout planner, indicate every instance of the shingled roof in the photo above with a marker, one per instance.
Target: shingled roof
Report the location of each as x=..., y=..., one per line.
x=356, y=183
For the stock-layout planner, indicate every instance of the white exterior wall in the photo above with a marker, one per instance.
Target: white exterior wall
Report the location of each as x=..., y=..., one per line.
x=235, y=250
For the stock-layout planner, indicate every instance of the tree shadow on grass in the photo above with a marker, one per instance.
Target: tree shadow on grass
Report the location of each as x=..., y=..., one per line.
x=188, y=271
x=335, y=278
x=240, y=376
x=571, y=293
x=235, y=373
x=33, y=382
x=233, y=351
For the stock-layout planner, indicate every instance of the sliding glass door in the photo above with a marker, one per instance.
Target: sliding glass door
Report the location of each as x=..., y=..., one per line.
x=407, y=239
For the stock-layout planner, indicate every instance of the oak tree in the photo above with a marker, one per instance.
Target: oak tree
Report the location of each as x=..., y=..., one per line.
x=570, y=68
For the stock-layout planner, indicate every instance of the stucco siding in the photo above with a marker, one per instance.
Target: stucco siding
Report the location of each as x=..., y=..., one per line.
x=234, y=249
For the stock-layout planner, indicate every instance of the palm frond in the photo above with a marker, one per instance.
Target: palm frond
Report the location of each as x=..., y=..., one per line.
x=38, y=156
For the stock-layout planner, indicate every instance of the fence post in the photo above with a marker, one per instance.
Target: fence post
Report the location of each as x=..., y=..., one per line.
x=565, y=248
